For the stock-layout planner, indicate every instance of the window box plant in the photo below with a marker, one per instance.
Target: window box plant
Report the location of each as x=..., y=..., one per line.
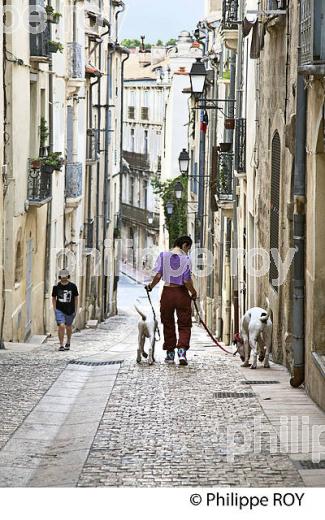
x=52, y=16
x=53, y=161
x=55, y=46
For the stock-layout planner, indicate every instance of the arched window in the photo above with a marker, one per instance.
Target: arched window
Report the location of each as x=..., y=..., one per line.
x=275, y=204
x=19, y=263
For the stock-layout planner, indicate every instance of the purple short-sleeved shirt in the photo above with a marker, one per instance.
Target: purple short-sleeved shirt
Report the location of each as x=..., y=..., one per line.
x=174, y=267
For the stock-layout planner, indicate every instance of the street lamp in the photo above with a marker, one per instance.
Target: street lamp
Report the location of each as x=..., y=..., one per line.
x=184, y=161
x=198, y=76
x=150, y=218
x=170, y=208
x=179, y=190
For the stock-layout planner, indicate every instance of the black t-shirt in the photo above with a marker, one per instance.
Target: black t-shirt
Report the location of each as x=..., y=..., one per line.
x=65, y=295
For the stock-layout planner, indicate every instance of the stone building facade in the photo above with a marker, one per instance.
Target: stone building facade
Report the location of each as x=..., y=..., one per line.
x=263, y=162
x=61, y=75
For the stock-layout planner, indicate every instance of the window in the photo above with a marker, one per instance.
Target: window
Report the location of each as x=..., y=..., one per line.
x=275, y=204
x=146, y=142
x=131, y=113
x=132, y=140
x=131, y=192
x=19, y=264
x=144, y=113
x=145, y=194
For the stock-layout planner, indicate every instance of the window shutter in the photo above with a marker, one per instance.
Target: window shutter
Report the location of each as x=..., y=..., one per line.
x=275, y=204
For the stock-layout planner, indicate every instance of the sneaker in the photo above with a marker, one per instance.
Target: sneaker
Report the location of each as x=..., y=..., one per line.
x=170, y=356
x=61, y=348
x=182, y=356
x=67, y=346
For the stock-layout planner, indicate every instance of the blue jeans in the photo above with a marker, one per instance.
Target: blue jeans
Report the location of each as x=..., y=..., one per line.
x=66, y=319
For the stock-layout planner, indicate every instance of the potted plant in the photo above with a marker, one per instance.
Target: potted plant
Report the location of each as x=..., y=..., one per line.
x=44, y=132
x=36, y=163
x=55, y=46
x=49, y=11
x=56, y=17
x=53, y=161
x=229, y=123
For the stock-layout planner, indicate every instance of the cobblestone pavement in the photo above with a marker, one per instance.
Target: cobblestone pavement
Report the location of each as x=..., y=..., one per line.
x=159, y=426
x=163, y=427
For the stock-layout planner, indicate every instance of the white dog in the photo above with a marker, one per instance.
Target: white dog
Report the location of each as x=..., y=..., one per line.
x=147, y=329
x=255, y=335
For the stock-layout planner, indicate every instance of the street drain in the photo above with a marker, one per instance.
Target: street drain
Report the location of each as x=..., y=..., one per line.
x=308, y=464
x=237, y=395
x=260, y=382
x=95, y=363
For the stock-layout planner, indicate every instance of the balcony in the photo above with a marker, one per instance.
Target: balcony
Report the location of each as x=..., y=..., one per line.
x=39, y=187
x=137, y=161
x=92, y=145
x=73, y=183
x=229, y=31
x=140, y=216
x=312, y=37
x=76, y=68
x=240, y=145
x=224, y=178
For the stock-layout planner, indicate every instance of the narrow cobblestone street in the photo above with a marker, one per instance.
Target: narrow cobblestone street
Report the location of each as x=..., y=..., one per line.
x=123, y=424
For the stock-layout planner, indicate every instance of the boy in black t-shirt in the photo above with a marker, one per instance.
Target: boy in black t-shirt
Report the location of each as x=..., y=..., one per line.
x=65, y=303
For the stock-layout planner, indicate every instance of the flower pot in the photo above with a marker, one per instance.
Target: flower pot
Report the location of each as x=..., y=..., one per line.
x=225, y=147
x=53, y=48
x=56, y=18
x=36, y=164
x=47, y=168
x=230, y=123
x=50, y=18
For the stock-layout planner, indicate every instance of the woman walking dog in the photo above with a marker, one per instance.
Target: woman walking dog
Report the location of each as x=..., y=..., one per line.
x=174, y=268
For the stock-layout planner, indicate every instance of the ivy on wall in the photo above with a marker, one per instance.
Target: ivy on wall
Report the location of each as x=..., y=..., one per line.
x=177, y=222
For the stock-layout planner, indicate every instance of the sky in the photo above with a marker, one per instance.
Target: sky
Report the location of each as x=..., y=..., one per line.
x=159, y=19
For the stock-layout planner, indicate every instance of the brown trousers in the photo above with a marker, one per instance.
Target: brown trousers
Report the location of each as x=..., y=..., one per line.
x=176, y=299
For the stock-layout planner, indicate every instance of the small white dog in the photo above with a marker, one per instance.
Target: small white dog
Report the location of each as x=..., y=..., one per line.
x=255, y=335
x=147, y=329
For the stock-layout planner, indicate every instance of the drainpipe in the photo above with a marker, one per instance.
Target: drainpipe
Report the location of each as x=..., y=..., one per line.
x=238, y=97
x=47, y=264
x=126, y=51
x=120, y=4
x=2, y=224
x=106, y=187
x=299, y=217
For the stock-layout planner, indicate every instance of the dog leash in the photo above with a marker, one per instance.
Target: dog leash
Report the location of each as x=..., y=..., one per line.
x=208, y=331
x=153, y=311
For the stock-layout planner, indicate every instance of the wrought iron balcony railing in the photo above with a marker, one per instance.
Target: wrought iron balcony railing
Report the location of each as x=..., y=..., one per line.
x=312, y=33
x=224, y=178
x=73, y=180
x=92, y=145
x=230, y=14
x=137, y=161
x=76, y=69
x=139, y=216
x=39, y=187
x=240, y=145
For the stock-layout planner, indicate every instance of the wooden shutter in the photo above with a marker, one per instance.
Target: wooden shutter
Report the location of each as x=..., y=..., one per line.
x=275, y=204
